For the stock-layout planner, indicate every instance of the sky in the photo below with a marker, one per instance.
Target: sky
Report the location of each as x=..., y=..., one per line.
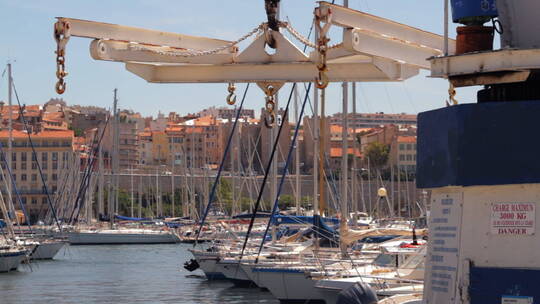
x=26, y=40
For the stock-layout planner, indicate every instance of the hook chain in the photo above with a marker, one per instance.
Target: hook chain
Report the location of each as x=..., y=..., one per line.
x=61, y=36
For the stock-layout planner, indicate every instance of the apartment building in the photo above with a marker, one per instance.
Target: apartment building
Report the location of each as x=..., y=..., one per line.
x=403, y=153
x=53, y=149
x=371, y=120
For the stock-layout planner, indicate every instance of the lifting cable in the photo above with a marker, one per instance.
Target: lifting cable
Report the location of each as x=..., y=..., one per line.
x=223, y=160
x=34, y=154
x=267, y=171
x=285, y=170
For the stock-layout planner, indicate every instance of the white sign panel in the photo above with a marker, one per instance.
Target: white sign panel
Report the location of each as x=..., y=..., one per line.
x=516, y=300
x=513, y=218
x=443, y=248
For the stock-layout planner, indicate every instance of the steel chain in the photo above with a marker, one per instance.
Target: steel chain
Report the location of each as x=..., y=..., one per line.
x=270, y=106
x=193, y=52
x=322, y=81
x=303, y=39
x=61, y=36
x=452, y=94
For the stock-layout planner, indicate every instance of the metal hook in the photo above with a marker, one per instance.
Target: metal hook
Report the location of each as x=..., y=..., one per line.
x=270, y=120
x=60, y=87
x=231, y=98
x=321, y=82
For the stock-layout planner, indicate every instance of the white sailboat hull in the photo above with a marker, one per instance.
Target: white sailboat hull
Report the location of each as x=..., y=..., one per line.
x=115, y=237
x=289, y=285
x=47, y=250
x=207, y=262
x=253, y=276
x=233, y=272
x=10, y=261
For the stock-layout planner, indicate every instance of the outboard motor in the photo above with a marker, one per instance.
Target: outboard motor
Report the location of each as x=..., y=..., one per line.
x=191, y=265
x=359, y=293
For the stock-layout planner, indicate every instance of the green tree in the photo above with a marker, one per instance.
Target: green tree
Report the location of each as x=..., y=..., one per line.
x=377, y=154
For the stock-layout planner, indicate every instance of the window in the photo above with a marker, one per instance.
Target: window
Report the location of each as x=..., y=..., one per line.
x=34, y=156
x=34, y=201
x=14, y=177
x=44, y=166
x=23, y=177
x=64, y=156
x=44, y=156
x=23, y=166
x=14, y=156
x=401, y=157
x=45, y=177
x=44, y=200
x=34, y=177
x=55, y=156
x=45, y=143
x=54, y=177
x=55, y=143
x=23, y=199
x=34, y=166
x=14, y=166
x=409, y=157
x=409, y=147
x=23, y=156
x=55, y=165
x=414, y=157
x=402, y=146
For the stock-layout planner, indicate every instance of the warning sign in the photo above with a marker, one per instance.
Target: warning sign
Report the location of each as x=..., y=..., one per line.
x=513, y=218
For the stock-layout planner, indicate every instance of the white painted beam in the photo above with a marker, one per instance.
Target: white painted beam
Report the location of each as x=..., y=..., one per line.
x=285, y=51
x=110, y=50
x=100, y=30
x=377, y=70
x=485, y=62
x=349, y=18
x=370, y=43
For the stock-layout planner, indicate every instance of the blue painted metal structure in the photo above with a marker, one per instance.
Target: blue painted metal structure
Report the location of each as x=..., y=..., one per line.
x=473, y=8
x=489, y=285
x=479, y=144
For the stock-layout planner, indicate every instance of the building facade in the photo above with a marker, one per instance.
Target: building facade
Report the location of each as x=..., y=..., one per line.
x=54, y=150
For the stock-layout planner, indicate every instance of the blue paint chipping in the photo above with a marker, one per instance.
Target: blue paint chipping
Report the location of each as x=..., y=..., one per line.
x=479, y=144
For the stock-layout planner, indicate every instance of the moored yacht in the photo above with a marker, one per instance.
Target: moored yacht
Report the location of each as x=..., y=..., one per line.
x=122, y=236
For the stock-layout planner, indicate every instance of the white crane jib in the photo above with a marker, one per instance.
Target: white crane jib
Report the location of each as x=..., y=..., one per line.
x=372, y=49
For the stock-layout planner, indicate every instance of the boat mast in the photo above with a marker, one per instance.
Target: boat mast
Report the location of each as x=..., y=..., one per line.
x=100, y=180
x=297, y=155
x=139, y=196
x=172, y=182
x=233, y=178
x=131, y=181
x=354, y=175
x=10, y=131
x=344, y=164
x=112, y=201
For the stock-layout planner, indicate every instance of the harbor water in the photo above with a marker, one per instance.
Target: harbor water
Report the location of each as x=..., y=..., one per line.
x=120, y=274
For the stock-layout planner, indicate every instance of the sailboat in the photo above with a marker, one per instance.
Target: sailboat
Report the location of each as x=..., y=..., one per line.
x=116, y=234
x=43, y=246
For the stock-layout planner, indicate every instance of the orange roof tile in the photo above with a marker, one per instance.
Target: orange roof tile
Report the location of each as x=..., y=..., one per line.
x=42, y=134
x=406, y=139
